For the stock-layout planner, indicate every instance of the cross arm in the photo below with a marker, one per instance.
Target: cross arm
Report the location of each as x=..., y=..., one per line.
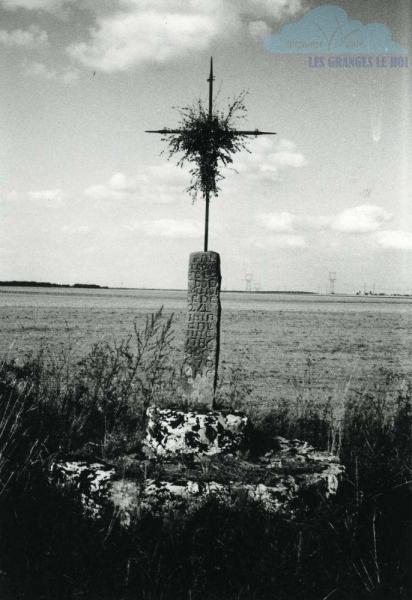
x=164, y=131
x=254, y=132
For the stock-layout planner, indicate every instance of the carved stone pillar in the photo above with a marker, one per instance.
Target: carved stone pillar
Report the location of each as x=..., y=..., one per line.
x=203, y=330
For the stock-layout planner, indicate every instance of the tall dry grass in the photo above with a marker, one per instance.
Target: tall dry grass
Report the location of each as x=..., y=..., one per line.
x=354, y=546
x=95, y=406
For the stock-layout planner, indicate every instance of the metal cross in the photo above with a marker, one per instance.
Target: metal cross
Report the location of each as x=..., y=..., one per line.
x=254, y=132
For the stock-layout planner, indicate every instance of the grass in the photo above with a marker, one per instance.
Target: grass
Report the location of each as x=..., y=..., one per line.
x=354, y=546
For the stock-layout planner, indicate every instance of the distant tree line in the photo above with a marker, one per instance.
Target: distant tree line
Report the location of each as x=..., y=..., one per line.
x=48, y=284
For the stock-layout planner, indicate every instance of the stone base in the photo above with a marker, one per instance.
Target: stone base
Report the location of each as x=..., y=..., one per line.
x=192, y=457
x=165, y=488
x=176, y=432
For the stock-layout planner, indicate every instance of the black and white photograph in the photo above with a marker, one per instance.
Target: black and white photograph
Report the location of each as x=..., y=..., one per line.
x=205, y=300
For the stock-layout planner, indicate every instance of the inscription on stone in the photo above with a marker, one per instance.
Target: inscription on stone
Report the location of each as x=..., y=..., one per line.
x=203, y=329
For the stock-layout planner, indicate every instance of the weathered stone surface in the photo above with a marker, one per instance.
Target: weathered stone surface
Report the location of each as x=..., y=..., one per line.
x=174, y=432
x=277, y=480
x=164, y=498
x=199, y=373
x=310, y=467
x=92, y=481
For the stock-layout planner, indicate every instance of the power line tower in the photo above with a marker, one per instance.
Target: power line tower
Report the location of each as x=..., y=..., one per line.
x=248, y=282
x=332, y=279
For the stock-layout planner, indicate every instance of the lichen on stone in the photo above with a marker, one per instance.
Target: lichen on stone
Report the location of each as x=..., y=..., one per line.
x=172, y=431
x=192, y=457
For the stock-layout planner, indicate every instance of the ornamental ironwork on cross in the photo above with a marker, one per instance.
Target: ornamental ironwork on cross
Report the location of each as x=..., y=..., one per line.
x=207, y=139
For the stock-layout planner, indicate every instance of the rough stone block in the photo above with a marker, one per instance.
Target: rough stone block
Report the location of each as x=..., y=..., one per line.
x=91, y=480
x=199, y=373
x=174, y=432
x=277, y=480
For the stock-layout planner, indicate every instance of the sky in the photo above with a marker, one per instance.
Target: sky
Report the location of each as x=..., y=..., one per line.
x=87, y=197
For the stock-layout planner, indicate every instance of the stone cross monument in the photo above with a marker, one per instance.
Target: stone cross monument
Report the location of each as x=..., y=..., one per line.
x=201, y=358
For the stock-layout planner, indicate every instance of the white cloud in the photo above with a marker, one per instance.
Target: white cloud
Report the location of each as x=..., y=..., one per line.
x=127, y=39
x=127, y=33
x=282, y=240
x=161, y=184
x=267, y=157
x=360, y=219
x=119, y=187
x=279, y=222
x=39, y=70
x=313, y=222
x=121, y=183
x=144, y=31
x=259, y=29
x=48, y=198
x=33, y=37
x=395, y=239
x=168, y=228
x=269, y=9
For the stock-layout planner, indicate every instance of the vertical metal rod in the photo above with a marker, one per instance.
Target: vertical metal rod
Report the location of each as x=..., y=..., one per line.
x=206, y=220
x=210, y=80
x=207, y=195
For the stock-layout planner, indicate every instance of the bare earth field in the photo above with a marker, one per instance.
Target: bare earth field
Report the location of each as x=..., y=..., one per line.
x=284, y=345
